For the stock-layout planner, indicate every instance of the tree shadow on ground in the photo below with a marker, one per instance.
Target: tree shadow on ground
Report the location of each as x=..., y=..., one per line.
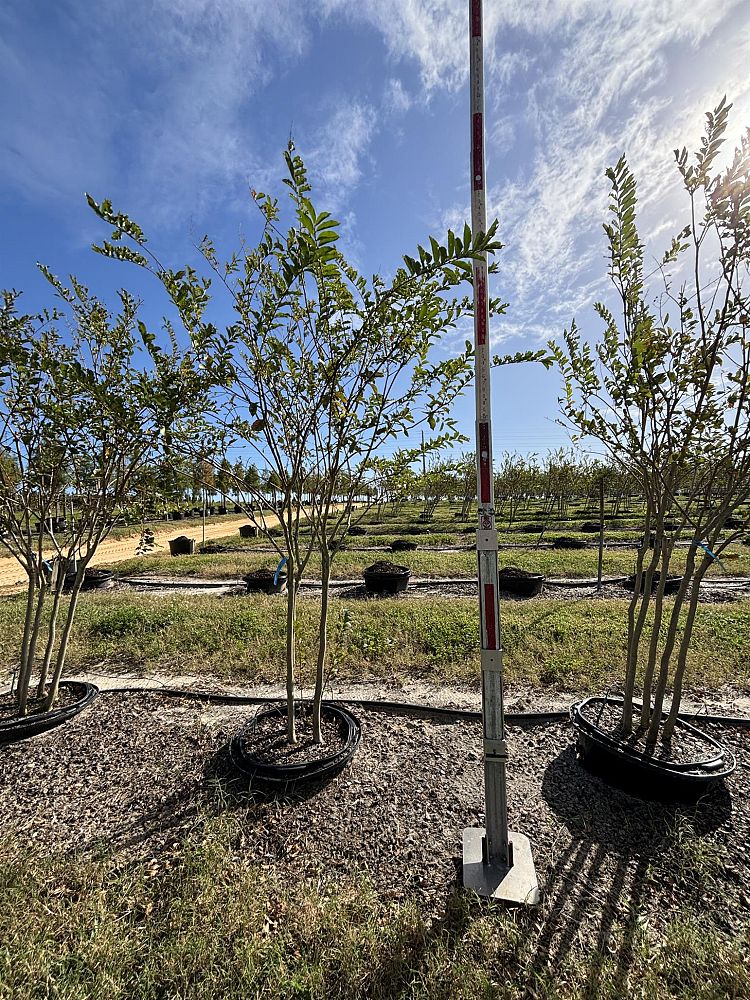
x=595, y=891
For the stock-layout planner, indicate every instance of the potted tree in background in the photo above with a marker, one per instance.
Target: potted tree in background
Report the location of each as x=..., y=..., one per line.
x=667, y=392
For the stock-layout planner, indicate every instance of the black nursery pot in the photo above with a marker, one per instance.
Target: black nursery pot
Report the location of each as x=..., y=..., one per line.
x=248, y=531
x=284, y=777
x=386, y=582
x=93, y=579
x=566, y=542
x=261, y=581
x=403, y=545
x=670, y=587
x=181, y=546
x=590, y=527
x=517, y=581
x=96, y=579
x=733, y=523
x=12, y=730
x=620, y=763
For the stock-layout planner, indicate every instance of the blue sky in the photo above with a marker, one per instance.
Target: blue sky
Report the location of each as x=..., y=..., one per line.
x=173, y=109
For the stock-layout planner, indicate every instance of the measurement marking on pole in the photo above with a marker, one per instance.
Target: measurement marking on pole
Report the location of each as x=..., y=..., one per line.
x=480, y=284
x=477, y=151
x=490, y=616
x=485, y=473
x=476, y=19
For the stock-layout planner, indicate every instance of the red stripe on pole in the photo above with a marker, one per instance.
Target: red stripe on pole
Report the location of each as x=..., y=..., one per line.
x=490, y=616
x=481, y=304
x=477, y=159
x=485, y=491
x=476, y=18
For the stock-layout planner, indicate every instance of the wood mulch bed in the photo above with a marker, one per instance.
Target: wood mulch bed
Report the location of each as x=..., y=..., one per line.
x=135, y=773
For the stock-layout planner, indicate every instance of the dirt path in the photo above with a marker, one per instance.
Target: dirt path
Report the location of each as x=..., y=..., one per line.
x=13, y=578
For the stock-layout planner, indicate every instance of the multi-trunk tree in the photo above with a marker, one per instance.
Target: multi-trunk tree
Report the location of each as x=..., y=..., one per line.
x=87, y=400
x=321, y=368
x=667, y=392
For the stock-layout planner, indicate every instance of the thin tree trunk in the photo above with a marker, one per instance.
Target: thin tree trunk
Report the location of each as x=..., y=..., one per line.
x=682, y=656
x=648, y=678
x=31, y=655
x=666, y=656
x=64, y=638
x=24, y=657
x=601, y=535
x=51, y=635
x=640, y=601
x=322, y=643
x=291, y=607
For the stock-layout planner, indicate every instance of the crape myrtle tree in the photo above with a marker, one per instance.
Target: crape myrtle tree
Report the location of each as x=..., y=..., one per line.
x=321, y=367
x=434, y=486
x=83, y=403
x=667, y=392
x=395, y=478
x=466, y=472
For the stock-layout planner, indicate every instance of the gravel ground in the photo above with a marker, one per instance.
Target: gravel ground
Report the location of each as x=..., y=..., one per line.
x=133, y=772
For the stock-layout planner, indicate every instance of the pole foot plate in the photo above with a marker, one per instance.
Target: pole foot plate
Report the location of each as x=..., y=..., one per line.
x=517, y=886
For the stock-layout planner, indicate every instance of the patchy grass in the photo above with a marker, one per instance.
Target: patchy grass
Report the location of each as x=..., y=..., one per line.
x=570, y=645
x=207, y=922
x=579, y=564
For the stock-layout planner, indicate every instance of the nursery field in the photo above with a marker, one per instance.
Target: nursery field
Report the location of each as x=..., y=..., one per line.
x=332, y=752
x=140, y=866
x=445, y=548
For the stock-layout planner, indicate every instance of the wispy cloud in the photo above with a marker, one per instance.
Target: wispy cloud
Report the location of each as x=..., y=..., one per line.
x=144, y=97
x=336, y=155
x=606, y=80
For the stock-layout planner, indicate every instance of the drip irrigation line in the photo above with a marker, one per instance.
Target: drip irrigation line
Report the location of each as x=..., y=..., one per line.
x=402, y=708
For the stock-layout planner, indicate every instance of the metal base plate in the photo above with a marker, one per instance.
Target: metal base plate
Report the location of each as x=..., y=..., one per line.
x=517, y=886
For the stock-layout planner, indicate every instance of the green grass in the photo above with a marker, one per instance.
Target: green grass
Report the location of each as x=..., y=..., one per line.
x=349, y=565
x=209, y=923
x=565, y=645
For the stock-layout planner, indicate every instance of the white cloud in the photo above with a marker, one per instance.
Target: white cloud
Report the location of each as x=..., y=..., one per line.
x=396, y=99
x=336, y=156
x=605, y=79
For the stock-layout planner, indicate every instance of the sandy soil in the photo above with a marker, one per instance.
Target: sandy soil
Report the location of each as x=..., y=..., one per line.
x=13, y=578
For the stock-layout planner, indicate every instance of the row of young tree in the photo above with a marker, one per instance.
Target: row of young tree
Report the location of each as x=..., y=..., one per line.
x=547, y=486
x=322, y=371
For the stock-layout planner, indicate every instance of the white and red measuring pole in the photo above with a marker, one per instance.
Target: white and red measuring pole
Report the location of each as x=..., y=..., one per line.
x=497, y=848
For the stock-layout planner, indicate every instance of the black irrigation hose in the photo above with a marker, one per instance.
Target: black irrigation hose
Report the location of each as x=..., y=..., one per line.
x=402, y=708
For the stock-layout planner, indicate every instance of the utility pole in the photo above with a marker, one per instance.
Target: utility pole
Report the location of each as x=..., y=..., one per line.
x=496, y=862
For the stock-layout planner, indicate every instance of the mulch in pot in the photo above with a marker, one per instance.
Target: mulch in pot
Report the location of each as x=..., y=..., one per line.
x=385, y=568
x=268, y=743
x=9, y=708
x=684, y=747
